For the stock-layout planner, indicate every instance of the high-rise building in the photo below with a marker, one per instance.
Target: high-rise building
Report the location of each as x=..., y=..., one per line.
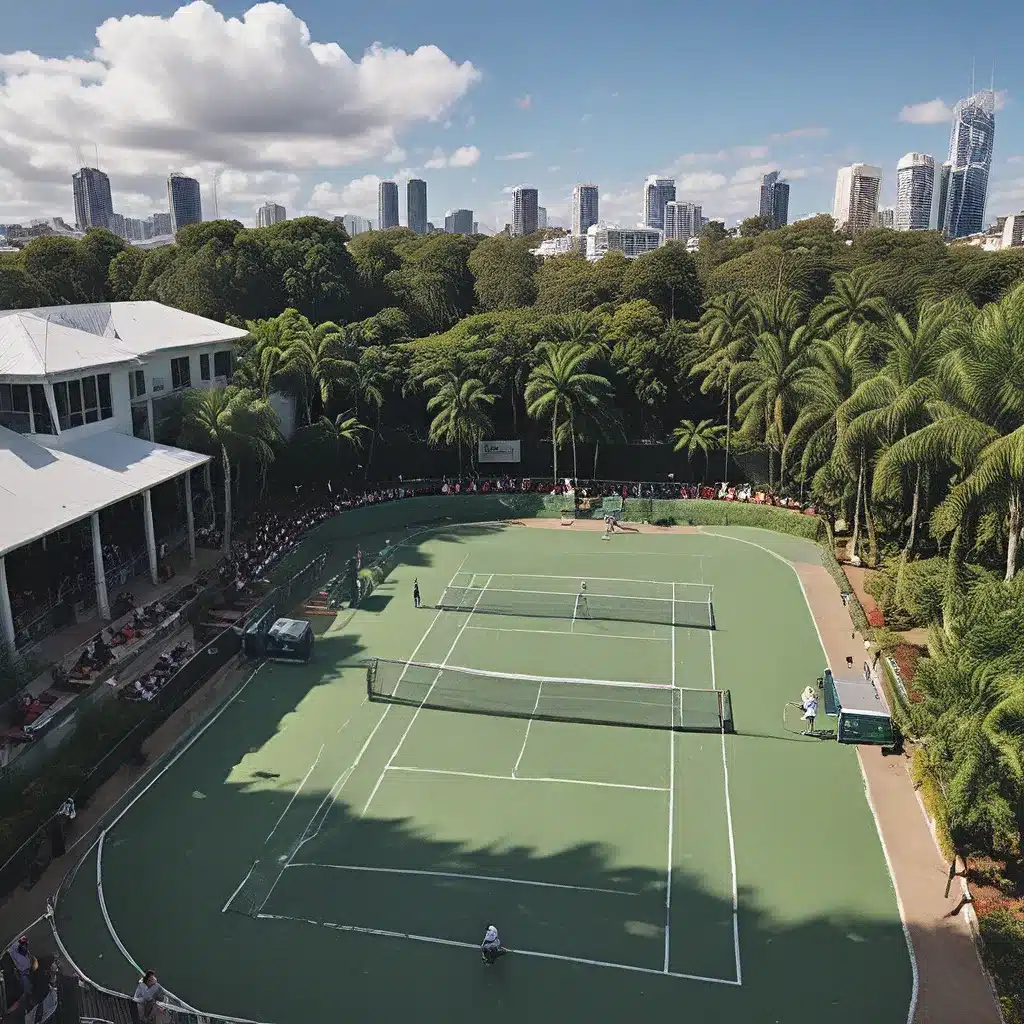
x=458, y=222
x=184, y=200
x=118, y=226
x=970, y=157
x=387, y=205
x=161, y=224
x=354, y=225
x=416, y=205
x=1013, y=230
x=93, y=205
x=941, y=195
x=270, y=213
x=886, y=217
x=856, y=201
x=524, y=211
x=775, y=200
x=542, y=218
x=631, y=242
x=476, y=227
x=657, y=192
x=682, y=221
x=584, y=209
x=915, y=192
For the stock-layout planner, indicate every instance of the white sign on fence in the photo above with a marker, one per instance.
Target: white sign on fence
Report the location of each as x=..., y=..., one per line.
x=498, y=451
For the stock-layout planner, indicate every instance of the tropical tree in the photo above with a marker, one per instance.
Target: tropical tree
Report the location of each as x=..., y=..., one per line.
x=234, y=423
x=704, y=437
x=459, y=407
x=855, y=301
x=560, y=385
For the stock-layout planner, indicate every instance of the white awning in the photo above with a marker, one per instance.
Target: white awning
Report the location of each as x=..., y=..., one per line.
x=44, y=489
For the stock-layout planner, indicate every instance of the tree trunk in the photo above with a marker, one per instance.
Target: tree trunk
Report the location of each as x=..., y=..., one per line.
x=460, y=458
x=908, y=549
x=1013, y=536
x=851, y=548
x=572, y=427
x=869, y=521
x=515, y=412
x=226, y=466
x=728, y=422
x=554, y=444
x=597, y=445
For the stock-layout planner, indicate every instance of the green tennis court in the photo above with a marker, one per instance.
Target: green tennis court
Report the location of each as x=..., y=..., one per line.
x=314, y=851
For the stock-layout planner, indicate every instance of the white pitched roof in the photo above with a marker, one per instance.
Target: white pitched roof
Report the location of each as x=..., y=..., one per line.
x=61, y=339
x=43, y=489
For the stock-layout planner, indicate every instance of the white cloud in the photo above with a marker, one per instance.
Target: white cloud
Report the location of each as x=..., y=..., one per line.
x=750, y=152
x=396, y=156
x=749, y=175
x=930, y=112
x=701, y=182
x=1015, y=160
x=522, y=155
x=554, y=167
x=799, y=133
x=464, y=156
x=197, y=91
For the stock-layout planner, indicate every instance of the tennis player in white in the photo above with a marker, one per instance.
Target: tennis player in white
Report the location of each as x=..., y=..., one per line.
x=581, y=605
x=809, y=702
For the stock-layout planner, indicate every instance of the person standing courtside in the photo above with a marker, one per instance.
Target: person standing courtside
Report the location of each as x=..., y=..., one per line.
x=416, y=593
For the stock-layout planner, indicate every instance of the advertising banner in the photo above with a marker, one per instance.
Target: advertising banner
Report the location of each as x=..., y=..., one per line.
x=498, y=451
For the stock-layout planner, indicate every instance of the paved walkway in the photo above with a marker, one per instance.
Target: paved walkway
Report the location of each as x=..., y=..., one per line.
x=954, y=988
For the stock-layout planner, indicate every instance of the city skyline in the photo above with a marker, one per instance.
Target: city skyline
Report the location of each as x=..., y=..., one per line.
x=465, y=117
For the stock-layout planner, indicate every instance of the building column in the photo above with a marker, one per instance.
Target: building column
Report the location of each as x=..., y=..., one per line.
x=147, y=517
x=208, y=479
x=149, y=419
x=190, y=518
x=6, y=613
x=102, y=602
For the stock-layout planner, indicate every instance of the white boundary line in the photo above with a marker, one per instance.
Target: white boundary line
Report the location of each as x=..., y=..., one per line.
x=472, y=878
x=526, y=737
x=915, y=977
x=389, y=934
x=569, y=632
x=288, y=806
x=416, y=713
x=566, y=594
x=671, y=797
x=594, y=579
x=523, y=778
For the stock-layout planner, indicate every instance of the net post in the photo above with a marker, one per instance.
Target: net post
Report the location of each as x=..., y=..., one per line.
x=728, y=725
x=711, y=609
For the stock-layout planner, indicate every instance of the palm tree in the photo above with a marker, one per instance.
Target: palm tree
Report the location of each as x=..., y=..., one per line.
x=725, y=334
x=317, y=358
x=459, y=406
x=233, y=423
x=855, y=301
x=561, y=385
x=702, y=437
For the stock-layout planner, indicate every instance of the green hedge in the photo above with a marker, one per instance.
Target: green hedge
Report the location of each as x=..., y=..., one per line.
x=701, y=512
x=1002, y=934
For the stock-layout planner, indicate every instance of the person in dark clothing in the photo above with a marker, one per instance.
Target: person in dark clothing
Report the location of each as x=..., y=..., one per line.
x=491, y=948
x=416, y=593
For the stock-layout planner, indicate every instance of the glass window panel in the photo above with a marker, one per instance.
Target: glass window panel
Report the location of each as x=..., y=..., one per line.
x=60, y=398
x=41, y=410
x=89, y=392
x=106, y=401
x=204, y=366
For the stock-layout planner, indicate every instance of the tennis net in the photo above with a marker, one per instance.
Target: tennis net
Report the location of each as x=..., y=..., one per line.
x=603, y=607
x=548, y=698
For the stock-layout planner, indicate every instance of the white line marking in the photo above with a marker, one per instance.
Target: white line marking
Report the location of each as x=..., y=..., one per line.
x=732, y=863
x=231, y=898
x=671, y=797
x=566, y=632
x=590, y=579
x=524, y=778
x=472, y=878
x=416, y=713
x=388, y=934
x=288, y=806
x=536, y=704
x=575, y=609
x=569, y=593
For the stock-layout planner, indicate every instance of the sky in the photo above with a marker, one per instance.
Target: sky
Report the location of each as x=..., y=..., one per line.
x=311, y=103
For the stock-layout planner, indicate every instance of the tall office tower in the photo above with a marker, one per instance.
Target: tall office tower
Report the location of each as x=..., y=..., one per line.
x=184, y=200
x=657, y=192
x=682, y=221
x=542, y=217
x=938, y=222
x=584, y=209
x=270, y=213
x=524, y=211
x=856, y=201
x=354, y=225
x=459, y=222
x=416, y=205
x=93, y=205
x=970, y=156
x=387, y=205
x=915, y=192
x=161, y=224
x=476, y=227
x=775, y=200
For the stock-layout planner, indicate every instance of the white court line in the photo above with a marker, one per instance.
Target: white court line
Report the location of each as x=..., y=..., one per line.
x=523, y=778
x=388, y=934
x=536, y=704
x=671, y=796
x=416, y=713
x=566, y=632
x=288, y=806
x=575, y=609
x=590, y=579
x=569, y=593
x=474, y=878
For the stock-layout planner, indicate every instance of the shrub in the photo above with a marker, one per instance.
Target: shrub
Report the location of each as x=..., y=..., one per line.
x=876, y=618
x=700, y=512
x=1002, y=934
x=665, y=521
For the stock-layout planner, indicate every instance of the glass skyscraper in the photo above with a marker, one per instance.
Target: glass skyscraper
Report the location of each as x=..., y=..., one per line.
x=184, y=200
x=416, y=205
x=93, y=205
x=775, y=200
x=387, y=205
x=970, y=158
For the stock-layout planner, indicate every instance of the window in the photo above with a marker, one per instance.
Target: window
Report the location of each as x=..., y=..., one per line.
x=42, y=420
x=222, y=364
x=204, y=366
x=181, y=373
x=137, y=380
x=83, y=401
x=14, y=403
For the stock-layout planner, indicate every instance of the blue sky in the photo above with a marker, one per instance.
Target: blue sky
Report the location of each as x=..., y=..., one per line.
x=713, y=93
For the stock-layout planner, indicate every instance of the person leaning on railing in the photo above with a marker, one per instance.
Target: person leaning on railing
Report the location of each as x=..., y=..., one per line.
x=148, y=993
